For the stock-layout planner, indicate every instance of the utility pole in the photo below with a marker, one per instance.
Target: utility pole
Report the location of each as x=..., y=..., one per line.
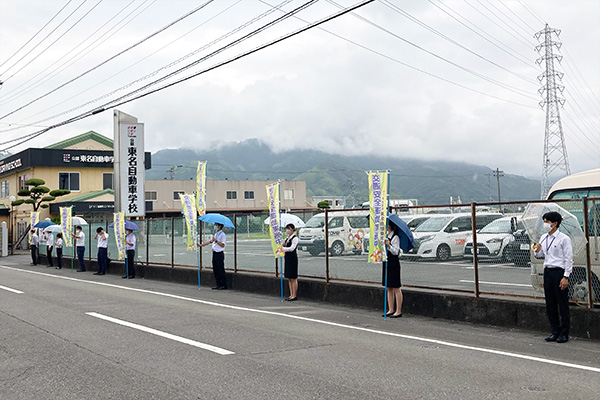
x=498, y=174
x=171, y=171
x=555, y=151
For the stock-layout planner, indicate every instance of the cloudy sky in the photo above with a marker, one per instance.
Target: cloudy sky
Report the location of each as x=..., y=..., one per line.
x=450, y=80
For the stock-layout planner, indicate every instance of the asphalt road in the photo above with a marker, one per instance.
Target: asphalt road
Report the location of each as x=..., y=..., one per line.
x=256, y=255
x=68, y=335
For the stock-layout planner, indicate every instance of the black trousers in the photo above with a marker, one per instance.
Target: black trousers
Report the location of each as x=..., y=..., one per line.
x=59, y=257
x=218, y=264
x=49, y=255
x=557, y=302
x=34, y=255
x=130, y=267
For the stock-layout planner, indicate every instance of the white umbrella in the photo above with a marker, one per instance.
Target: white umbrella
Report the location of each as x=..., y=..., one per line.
x=53, y=228
x=288, y=219
x=79, y=221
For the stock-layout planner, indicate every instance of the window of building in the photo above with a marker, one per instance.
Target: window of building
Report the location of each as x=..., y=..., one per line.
x=68, y=181
x=176, y=194
x=288, y=194
x=107, y=180
x=231, y=195
x=22, y=180
x=248, y=194
x=5, y=192
x=151, y=195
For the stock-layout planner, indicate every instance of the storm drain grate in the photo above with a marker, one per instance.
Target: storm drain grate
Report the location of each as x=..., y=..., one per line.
x=533, y=389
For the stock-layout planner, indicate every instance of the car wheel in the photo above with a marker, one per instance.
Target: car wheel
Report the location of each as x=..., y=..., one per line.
x=314, y=251
x=443, y=252
x=337, y=248
x=578, y=285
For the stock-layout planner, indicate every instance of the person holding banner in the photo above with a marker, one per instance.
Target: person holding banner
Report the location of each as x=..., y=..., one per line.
x=218, y=257
x=33, y=245
x=59, y=244
x=394, y=294
x=80, y=246
x=130, y=247
x=49, y=246
x=291, y=261
x=102, y=238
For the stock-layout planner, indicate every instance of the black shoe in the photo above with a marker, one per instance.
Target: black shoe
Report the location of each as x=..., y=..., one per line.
x=562, y=339
x=551, y=338
x=388, y=314
x=225, y=288
x=396, y=316
x=97, y=273
x=125, y=277
x=81, y=270
x=215, y=288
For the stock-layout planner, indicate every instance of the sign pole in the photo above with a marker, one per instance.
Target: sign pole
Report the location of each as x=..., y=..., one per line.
x=198, y=248
x=387, y=208
x=281, y=258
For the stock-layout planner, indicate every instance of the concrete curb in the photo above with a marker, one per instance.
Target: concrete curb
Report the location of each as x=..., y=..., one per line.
x=507, y=313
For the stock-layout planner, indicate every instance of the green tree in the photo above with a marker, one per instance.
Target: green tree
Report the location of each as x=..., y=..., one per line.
x=323, y=205
x=37, y=194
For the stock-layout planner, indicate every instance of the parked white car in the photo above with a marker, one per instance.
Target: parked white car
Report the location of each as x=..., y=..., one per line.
x=444, y=236
x=495, y=239
x=346, y=229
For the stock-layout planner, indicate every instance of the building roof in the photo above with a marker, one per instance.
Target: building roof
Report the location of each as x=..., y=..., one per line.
x=90, y=195
x=91, y=135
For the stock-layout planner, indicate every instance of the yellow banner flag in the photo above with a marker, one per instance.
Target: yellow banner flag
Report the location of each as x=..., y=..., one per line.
x=66, y=225
x=119, y=227
x=274, y=222
x=201, y=188
x=378, y=208
x=188, y=206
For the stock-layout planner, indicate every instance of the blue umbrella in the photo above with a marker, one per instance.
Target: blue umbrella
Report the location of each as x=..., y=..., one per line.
x=44, y=224
x=128, y=225
x=215, y=218
x=407, y=241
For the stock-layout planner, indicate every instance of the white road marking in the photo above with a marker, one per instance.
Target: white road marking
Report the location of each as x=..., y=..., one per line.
x=318, y=321
x=156, y=332
x=11, y=290
x=499, y=283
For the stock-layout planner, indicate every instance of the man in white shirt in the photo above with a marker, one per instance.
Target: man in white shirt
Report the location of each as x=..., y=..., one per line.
x=102, y=238
x=218, y=256
x=33, y=245
x=80, y=245
x=130, y=241
x=49, y=247
x=556, y=249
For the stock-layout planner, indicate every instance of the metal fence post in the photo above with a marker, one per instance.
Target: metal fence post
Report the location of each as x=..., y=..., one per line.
x=90, y=242
x=475, y=258
x=588, y=260
x=172, y=242
x=148, y=241
x=326, y=246
x=234, y=244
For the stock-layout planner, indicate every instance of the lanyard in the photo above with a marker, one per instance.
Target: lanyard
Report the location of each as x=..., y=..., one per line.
x=550, y=244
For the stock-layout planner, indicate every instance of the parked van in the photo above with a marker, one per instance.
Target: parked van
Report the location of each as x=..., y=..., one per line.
x=576, y=187
x=444, y=236
x=346, y=232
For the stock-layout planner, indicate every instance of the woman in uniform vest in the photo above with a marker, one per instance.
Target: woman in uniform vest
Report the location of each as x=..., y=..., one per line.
x=394, y=294
x=291, y=261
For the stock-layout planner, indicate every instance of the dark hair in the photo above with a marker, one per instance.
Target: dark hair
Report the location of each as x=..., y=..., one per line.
x=99, y=229
x=79, y=227
x=290, y=226
x=221, y=225
x=59, y=235
x=553, y=216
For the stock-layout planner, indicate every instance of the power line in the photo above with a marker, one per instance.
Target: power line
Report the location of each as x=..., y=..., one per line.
x=540, y=20
x=154, y=73
x=35, y=35
x=33, y=135
x=517, y=15
x=516, y=90
x=113, y=57
x=51, y=44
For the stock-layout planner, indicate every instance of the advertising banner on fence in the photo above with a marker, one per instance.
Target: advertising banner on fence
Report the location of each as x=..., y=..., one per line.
x=119, y=227
x=377, y=215
x=188, y=209
x=34, y=218
x=66, y=224
x=274, y=223
x=201, y=188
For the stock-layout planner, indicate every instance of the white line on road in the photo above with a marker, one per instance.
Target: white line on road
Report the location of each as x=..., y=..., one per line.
x=11, y=290
x=318, y=321
x=156, y=332
x=499, y=283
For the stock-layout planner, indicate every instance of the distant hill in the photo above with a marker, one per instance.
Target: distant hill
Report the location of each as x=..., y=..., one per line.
x=431, y=182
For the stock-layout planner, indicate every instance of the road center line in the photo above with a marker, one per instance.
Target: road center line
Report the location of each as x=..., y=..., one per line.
x=156, y=332
x=11, y=290
x=318, y=321
x=498, y=283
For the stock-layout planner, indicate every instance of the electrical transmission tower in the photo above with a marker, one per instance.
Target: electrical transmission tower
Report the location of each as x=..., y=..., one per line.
x=555, y=151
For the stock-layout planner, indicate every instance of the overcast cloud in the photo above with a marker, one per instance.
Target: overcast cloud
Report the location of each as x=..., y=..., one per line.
x=317, y=91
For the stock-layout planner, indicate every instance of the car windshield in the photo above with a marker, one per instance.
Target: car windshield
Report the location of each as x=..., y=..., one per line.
x=315, y=222
x=433, y=224
x=497, y=226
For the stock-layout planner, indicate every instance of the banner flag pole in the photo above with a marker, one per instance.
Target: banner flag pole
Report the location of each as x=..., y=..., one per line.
x=198, y=248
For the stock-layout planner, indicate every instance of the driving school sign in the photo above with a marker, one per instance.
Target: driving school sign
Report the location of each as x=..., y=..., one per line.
x=131, y=153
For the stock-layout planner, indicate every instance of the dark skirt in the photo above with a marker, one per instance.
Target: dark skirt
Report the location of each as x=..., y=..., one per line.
x=393, y=267
x=291, y=265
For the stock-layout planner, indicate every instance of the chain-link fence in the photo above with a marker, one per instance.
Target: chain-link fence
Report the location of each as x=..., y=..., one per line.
x=483, y=249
